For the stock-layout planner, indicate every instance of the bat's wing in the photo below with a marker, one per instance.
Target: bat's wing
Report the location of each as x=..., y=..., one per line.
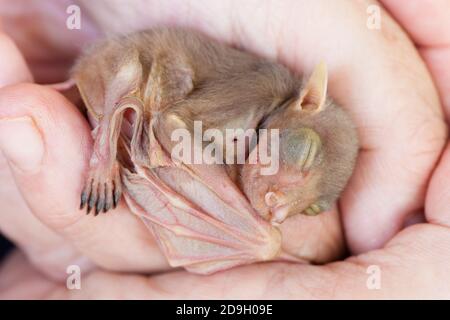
x=200, y=219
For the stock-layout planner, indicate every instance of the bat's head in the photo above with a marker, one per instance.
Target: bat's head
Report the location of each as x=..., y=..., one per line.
x=317, y=150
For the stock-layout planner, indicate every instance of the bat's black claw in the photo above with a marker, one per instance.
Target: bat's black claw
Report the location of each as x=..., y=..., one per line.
x=116, y=198
x=91, y=203
x=100, y=206
x=107, y=206
x=83, y=200
x=86, y=197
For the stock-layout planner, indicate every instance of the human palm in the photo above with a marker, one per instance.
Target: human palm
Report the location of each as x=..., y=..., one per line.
x=376, y=74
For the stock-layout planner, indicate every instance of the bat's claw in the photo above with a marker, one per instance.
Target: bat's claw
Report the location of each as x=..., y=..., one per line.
x=102, y=190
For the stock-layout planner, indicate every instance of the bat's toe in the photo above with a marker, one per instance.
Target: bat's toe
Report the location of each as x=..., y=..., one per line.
x=102, y=191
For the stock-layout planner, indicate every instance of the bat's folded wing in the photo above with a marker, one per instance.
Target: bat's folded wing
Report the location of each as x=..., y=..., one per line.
x=200, y=219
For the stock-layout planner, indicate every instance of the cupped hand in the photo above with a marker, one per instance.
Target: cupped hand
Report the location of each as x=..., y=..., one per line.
x=376, y=74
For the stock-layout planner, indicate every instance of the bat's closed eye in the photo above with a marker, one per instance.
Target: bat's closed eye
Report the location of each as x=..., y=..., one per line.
x=300, y=147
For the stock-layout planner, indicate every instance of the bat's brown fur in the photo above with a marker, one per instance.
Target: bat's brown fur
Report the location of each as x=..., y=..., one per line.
x=177, y=77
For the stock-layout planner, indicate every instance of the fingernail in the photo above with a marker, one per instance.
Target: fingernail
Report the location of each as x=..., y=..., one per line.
x=21, y=143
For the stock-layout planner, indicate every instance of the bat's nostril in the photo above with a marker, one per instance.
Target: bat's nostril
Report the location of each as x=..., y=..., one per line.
x=274, y=198
x=271, y=199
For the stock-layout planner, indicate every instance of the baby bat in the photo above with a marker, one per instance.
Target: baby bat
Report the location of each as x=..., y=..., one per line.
x=138, y=89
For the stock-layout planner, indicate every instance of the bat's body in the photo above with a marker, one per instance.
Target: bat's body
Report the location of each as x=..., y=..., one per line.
x=207, y=217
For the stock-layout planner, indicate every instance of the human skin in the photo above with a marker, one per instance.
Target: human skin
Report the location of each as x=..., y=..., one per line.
x=412, y=265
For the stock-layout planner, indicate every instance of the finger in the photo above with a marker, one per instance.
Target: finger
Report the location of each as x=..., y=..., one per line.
x=19, y=279
x=412, y=266
x=16, y=221
x=48, y=145
x=13, y=66
x=50, y=48
x=325, y=244
x=375, y=74
x=432, y=28
x=437, y=60
x=432, y=34
x=437, y=207
x=408, y=268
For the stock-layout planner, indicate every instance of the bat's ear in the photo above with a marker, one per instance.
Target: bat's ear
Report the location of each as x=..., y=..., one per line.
x=313, y=96
x=170, y=79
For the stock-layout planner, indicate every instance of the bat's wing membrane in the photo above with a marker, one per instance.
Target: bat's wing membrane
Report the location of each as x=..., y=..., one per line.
x=200, y=219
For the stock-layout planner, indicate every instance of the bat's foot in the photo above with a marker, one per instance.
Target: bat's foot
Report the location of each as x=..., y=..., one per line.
x=103, y=189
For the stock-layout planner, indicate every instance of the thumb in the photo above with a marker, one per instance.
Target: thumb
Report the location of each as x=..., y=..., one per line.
x=48, y=144
x=16, y=221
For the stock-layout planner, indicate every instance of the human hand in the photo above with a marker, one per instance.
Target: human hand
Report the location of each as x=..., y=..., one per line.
x=47, y=142
x=367, y=222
